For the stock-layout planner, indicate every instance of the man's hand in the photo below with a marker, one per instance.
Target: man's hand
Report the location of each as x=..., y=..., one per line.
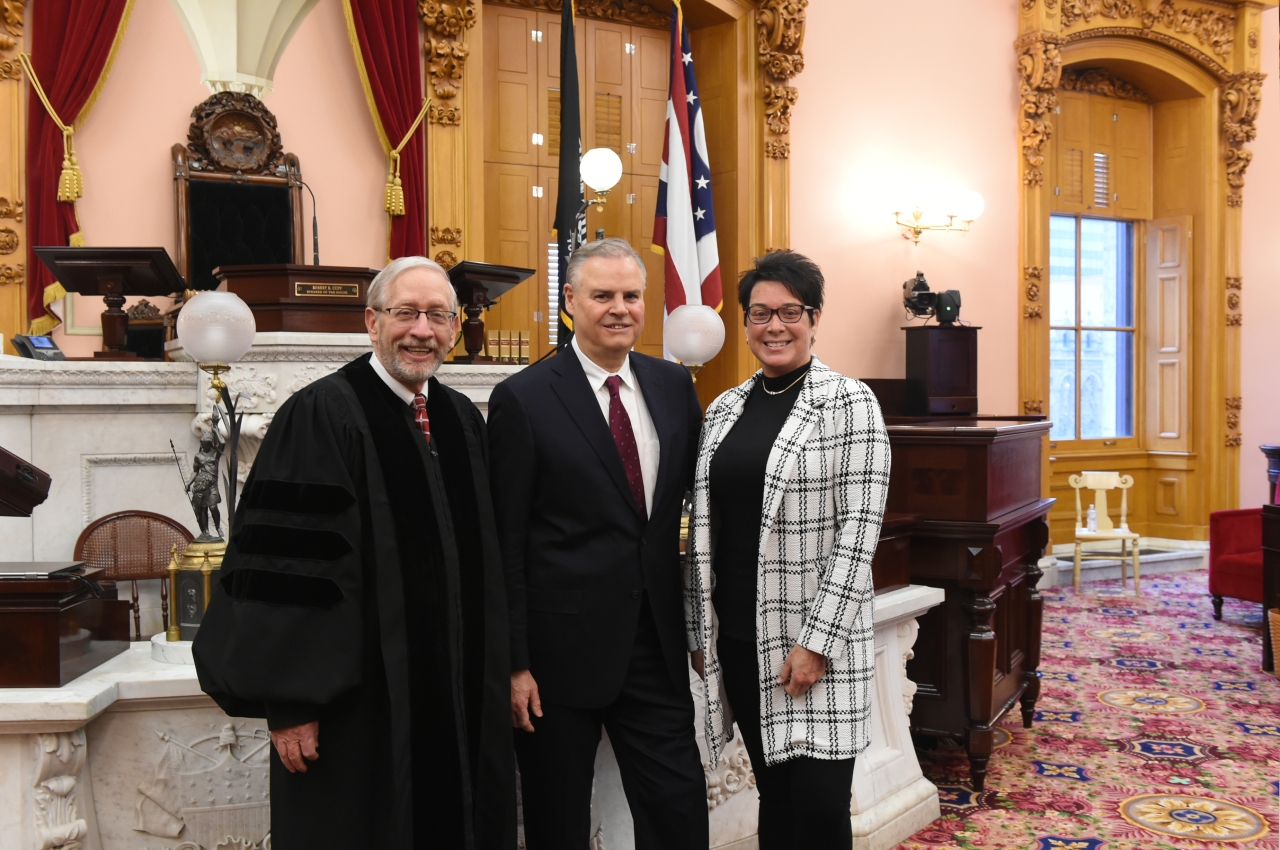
x=524, y=700
x=697, y=659
x=297, y=745
x=802, y=668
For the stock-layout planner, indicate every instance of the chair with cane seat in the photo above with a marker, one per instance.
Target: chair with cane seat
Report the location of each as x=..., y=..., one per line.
x=1101, y=483
x=133, y=546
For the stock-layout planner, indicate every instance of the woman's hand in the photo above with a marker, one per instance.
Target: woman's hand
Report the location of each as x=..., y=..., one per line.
x=802, y=668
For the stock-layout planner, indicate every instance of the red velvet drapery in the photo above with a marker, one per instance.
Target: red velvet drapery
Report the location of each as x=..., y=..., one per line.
x=71, y=44
x=385, y=33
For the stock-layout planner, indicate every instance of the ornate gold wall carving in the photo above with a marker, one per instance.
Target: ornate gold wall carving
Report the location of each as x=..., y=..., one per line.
x=446, y=52
x=446, y=235
x=1233, y=404
x=1039, y=70
x=777, y=149
x=1241, y=95
x=778, y=101
x=1032, y=406
x=1033, y=275
x=1101, y=81
x=12, y=274
x=11, y=210
x=1212, y=28
x=447, y=259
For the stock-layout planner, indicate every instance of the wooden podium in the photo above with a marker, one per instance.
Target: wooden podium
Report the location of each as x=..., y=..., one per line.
x=305, y=299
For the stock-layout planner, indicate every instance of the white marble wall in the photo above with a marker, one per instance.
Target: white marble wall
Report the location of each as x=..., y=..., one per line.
x=102, y=429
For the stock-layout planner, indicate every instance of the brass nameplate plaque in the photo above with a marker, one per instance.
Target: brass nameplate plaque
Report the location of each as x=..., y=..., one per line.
x=327, y=290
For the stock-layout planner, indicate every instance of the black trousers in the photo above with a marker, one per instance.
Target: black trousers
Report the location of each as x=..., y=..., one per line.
x=650, y=726
x=804, y=802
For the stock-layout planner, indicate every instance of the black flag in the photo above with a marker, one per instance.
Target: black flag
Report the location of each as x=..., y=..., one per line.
x=571, y=220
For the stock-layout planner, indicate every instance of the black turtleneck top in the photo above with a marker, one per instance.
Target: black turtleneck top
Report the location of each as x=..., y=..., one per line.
x=737, y=498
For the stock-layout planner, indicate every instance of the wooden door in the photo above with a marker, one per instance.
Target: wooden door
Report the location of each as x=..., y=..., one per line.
x=511, y=76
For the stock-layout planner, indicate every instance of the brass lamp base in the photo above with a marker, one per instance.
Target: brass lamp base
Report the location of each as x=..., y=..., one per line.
x=203, y=557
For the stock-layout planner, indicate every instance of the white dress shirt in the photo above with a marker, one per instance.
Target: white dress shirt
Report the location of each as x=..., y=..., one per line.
x=633, y=402
x=405, y=394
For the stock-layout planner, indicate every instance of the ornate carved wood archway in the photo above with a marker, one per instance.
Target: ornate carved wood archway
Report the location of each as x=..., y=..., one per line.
x=767, y=34
x=1214, y=46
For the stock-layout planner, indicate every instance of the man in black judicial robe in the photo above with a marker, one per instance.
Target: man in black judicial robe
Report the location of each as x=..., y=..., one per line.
x=361, y=608
x=593, y=451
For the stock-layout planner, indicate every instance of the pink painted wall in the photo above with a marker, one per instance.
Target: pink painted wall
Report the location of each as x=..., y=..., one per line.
x=1260, y=389
x=893, y=94
x=145, y=108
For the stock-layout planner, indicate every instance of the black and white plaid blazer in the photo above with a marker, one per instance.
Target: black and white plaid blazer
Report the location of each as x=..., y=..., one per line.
x=825, y=488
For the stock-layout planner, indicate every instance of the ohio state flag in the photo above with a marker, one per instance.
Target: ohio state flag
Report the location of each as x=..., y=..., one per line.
x=684, y=228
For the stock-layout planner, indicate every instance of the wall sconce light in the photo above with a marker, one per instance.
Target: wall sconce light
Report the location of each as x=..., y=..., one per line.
x=601, y=169
x=954, y=212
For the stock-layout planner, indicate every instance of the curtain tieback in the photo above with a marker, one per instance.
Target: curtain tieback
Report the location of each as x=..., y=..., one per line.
x=71, y=181
x=395, y=189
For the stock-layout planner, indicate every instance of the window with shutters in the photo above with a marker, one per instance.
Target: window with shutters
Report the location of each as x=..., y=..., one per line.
x=1092, y=328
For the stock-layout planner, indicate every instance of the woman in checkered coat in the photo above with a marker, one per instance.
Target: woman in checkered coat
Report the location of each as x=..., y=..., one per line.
x=792, y=473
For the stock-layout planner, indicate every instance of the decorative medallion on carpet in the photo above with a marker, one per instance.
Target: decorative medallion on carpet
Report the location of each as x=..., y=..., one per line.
x=1155, y=730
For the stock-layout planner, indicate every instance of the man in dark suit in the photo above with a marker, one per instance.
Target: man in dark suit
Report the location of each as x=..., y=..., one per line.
x=592, y=452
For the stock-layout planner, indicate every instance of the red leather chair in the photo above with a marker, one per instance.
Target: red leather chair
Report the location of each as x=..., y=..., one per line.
x=1235, y=556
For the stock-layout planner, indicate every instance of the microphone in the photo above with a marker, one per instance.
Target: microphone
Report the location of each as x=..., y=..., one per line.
x=315, y=226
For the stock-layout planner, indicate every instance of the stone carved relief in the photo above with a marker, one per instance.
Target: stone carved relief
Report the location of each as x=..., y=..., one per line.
x=732, y=774
x=1101, y=81
x=234, y=132
x=90, y=378
x=61, y=757
x=309, y=374
x=1241, y=96
x=447, y=53
x=212, y=783
x=779, y=39
x=1212, y=28
x=1039, y=70
x=12, y=274
x=446, y=235
x=249, y=388
x=908, y=631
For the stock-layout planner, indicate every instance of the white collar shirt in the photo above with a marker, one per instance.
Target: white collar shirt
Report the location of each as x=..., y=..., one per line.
x=402, y=392
x=633, y=402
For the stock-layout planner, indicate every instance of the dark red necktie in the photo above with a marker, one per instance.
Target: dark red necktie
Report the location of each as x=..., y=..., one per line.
x=420, y=416
x=625, y=438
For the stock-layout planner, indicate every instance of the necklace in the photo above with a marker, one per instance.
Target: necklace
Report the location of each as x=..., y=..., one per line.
x=768, y=391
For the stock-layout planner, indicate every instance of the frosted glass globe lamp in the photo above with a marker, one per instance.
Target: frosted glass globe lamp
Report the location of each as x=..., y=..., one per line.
x=693, y=333
x=216, y=329
x=601, y=169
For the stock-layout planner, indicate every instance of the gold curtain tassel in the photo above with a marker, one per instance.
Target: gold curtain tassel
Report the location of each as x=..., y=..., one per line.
x=395, y=189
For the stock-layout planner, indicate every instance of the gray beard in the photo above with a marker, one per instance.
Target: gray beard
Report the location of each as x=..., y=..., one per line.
x=408, y=374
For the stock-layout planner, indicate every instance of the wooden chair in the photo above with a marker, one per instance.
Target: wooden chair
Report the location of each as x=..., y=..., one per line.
x=133, y=545
x=1101, y=483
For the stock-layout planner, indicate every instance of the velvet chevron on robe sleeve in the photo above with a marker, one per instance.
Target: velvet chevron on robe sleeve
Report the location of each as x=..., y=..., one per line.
x=283, y=633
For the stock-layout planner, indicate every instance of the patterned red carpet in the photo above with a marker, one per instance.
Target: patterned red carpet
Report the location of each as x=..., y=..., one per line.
x=1155, y=729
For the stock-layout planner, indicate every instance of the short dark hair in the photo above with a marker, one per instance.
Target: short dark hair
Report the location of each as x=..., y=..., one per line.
x=799, y=274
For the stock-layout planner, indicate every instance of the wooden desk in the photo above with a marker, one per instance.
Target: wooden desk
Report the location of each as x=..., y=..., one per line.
x=1270, y=578
x=55, y=630
x=979, y=532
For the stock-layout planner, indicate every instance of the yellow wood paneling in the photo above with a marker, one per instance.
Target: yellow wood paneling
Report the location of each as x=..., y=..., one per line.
x=511, y=79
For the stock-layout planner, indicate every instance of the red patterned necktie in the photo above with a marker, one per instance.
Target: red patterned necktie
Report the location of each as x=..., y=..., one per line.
x=420, y=416
x=625, y=439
